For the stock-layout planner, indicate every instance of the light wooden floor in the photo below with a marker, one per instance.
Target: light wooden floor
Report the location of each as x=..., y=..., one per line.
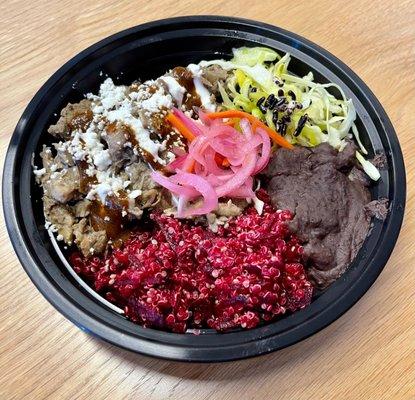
x=367, y=354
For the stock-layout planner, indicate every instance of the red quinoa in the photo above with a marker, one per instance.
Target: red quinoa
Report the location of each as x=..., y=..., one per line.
x=181, y=275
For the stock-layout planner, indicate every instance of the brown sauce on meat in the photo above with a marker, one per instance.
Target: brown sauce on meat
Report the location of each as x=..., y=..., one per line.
x=85, y=181
x=80, y=120
x=113, y=128
x=122, y=238
x=109, y=217
x=117, y=202
x=159, y=124
x=185, y=79
x=149, y=158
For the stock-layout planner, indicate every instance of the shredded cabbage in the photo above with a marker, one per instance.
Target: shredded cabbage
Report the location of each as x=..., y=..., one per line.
x=254, y=55
x=368, y=167
x=259, y=72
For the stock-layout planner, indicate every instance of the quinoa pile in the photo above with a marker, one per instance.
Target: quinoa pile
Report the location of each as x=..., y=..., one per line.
x=177, y=276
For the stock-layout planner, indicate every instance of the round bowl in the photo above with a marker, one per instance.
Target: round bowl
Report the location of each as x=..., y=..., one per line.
x=147, y=51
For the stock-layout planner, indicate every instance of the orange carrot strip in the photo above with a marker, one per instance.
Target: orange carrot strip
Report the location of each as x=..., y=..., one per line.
x=180, y=126
x=231, y=121
x=191, y=167
x=276, y=137
x=222, y=161
x=225, y=163
x=254, y=126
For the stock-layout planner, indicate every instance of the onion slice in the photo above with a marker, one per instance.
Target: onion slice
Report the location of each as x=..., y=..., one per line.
x=173, y=187
x=265, y=152
x=202, y=186
x=221, y=162
x=239, y=177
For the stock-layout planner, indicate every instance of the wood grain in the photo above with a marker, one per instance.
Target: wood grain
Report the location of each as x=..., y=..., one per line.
x=367, y=354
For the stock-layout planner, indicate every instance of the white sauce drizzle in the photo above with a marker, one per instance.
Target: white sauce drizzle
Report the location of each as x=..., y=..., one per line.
x=204, y=94
x=175, y=89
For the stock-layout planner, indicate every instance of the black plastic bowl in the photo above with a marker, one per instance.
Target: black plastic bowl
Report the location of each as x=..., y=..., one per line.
x=147, y=51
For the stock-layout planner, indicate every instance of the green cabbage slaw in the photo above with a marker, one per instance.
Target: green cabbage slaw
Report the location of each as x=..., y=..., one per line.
x=258, y=72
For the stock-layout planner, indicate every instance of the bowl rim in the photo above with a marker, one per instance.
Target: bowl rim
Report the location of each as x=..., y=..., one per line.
x=184, y=352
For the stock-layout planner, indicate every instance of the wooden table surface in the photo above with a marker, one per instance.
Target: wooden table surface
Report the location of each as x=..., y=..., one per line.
x=366, y=354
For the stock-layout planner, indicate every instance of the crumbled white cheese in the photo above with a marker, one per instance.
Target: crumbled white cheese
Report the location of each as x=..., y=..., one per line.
x=76, y=148
x=134, y=194
x=170, y=156
x=90, y=171
x=102, y=159
x=97, y=109
x=158, y=100
x=39, y=172
x=95, y=148
x=109, y=94
x=115, y=106
x=107, y=184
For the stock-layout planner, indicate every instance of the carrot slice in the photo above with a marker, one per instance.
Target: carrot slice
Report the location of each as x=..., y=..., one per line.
x=225, y=163
x=276, y=137
x=191, y=167
x=231, y=122
x=180, y=126
x=222, y=161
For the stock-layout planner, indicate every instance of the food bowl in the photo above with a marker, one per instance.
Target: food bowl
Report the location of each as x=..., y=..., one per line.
x=147, y=51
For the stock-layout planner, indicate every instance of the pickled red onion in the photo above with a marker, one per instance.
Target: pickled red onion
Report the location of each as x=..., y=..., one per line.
x=246, y=153
x=173, y=187
x=239, y=178
x=202, y=186
x=177, y=163
x=266, y=150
